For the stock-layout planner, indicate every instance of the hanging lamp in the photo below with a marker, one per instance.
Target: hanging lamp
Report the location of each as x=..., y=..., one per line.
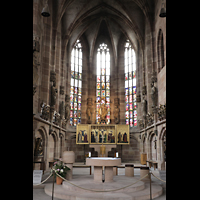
x=45, y=10
x=162, y=11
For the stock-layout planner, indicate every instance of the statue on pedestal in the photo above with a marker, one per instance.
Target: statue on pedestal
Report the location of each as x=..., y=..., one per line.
x=67, y=108
x=53, y=94
x=153, y=94
x=45, y=110
x=116, y=110
x=57, y=118
x=144, y=107
x=89, y=110
x=103, y=112
x=38, y=151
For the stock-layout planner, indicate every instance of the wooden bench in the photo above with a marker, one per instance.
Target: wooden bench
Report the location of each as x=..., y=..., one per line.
x=155, y=164
x=87, y=166
x=83, y=166
x=123, y=166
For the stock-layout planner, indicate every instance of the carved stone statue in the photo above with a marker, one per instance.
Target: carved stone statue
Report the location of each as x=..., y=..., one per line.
x=45, y=109
x=162, y=112
x=38, y=151
x=67, y=108
x=150, y=119
x=144, y=107
x=57, y=119
x=141, y=124
x=89, y=110
x=116, y=110
x=53, y=94
x=153, y=94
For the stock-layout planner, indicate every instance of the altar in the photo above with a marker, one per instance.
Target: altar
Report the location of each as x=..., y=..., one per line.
x=103, y=167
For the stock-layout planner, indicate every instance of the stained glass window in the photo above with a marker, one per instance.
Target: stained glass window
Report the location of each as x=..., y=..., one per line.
x=103, y=80
x=130, y=85
x=76, y=84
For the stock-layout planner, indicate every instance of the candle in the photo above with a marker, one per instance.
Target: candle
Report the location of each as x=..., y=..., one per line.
x=89, y=154
x=117, y=154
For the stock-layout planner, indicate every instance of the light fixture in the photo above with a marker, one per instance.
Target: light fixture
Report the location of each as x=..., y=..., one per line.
x=45, y=10
x=162, y=11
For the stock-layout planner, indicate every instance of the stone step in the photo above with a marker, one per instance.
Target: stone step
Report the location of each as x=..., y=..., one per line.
x=62, y=193
x=162, y=174
x=118, y=182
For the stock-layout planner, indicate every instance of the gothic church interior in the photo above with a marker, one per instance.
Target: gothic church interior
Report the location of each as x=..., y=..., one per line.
x=90, y=56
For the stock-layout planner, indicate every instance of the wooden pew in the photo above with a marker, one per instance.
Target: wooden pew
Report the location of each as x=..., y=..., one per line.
x=155, y=164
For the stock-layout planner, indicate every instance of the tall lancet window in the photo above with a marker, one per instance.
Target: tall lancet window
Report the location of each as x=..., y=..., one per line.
x=103, y=80
x=76, y=84
x=130, y=85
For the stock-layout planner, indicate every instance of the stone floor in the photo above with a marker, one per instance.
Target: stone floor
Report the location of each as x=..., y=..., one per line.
x=39, y=193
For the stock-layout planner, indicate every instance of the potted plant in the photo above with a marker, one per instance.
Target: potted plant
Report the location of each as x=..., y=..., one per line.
x=60, y=169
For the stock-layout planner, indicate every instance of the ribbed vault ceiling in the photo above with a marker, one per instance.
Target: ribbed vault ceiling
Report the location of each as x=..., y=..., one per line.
x=108, y=19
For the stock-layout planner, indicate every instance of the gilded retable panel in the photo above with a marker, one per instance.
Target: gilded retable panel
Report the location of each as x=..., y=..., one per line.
x=98, y=134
